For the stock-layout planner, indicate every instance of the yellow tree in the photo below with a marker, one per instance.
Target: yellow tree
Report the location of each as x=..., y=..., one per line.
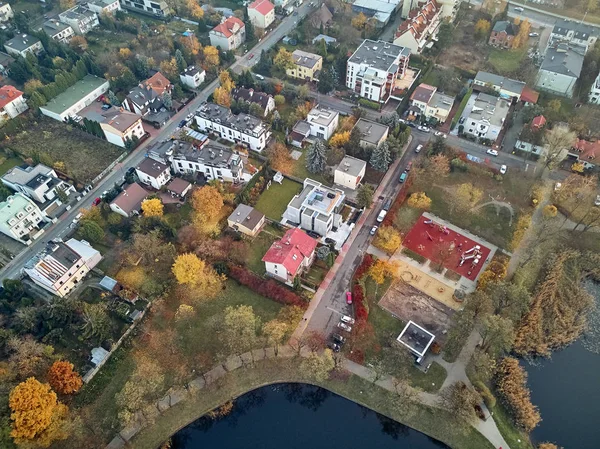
x=360, y=21
x=208, y=202
x=169, y=68
x=78, y=43
x=125, y=53
x=275, y=332
x=550, y=211
x=465, y=196
x=339, y=139
x=388, y=239
x=152, y=207
x=195, y=9
x=419, y=200
x=279, y=157
x=211, y=56
x=185, y=313
x=222, y=97
x=283, y=59
x=482, y=28
x=192, y=272
x=191, y=43
x=66, y=4
x=226, y=81
x=380, y=270
x=32, y=85
x=132, y=278
x=523, y=34
x=578, y=167
x=63, y=378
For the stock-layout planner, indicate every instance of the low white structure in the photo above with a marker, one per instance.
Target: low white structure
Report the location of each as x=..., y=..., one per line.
x=487, y=116
x=156, y=8
x=242, y=129
x=61, y=32
x=75, y=98
x=560, y=70
x=228, y=35
x=416, y=338
x=6, y=12
x=20, y=218
x=121, y=126
x=104, y=6
x=81, y=19
x=323, y=122
x=129, y=202
x=193, y=76
x=153, y=173
x=317, y=208
x=12, y=102
x=350, y=172
x=22, y=44
x=60, y=266
x=261, y=13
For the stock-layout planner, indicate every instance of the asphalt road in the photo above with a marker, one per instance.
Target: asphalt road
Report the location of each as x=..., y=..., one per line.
x=61, y=227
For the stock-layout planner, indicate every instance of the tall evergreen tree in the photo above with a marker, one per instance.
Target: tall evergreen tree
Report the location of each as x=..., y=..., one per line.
x=316, y=157
x=181, y=63
x=381, y=158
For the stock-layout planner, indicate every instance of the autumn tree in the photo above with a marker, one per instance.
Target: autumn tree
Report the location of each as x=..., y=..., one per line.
x=549, y=211
x=497, y=335
x=359, y=21
x=318, y=366
x=222, y=97
x=225, y=81
x=339, y=139
x=78, y=43
x=193, y=272
x=578, y=167
x=152, y=207
x=388, y=239
x=28, y=356
x=279, y=157
x=433, y=168
x=419, y=200
x=548, y=446
x=558, y=141
x=66, y=4
x=283, y=59
x=194, y=9
x=63, y=378
x=275, y=332
x=482, y=29
x=185, y=313
x=364, y=196
x=522, y=35
x=207, y=203
x=508, y=299
x=239, y=328
x=211, y=56
x=460, y=400
x=465, y=197
x=380, y=270
x=169, y=68
x=191, y=44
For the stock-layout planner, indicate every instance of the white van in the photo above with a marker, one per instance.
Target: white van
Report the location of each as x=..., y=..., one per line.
x=381, y=216
x=260, y=77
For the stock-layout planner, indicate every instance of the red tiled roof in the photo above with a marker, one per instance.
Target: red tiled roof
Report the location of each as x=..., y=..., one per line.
x=423, y=93
x=538, y=121
x=158, y=83
x=262, y=6
x=228, y=26
x=588, y=151
x=529, y=95
x=418, y=20
x=290, y=251
x=8, y=94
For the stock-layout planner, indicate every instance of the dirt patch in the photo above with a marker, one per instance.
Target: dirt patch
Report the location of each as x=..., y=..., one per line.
x=407, y=303
x=466, y=52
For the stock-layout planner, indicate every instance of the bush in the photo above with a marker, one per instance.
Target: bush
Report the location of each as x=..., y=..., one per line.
x=369, y=104
x=361, y=308
x=414, y=256
x=486, y=394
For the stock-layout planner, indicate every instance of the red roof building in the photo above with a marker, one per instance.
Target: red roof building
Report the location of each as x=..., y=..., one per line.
x=528, y=95
x=261, y=13
x=420, y=27
x=286, y=258
x=12, y=102
x=586, y=152
x=229, y=34
x=538, y=122
x=158, y=83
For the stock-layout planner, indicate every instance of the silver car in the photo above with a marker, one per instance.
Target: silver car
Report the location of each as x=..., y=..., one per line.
x=346, y=319
x=344, y=327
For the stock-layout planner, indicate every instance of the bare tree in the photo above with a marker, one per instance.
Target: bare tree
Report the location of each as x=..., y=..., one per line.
x=558, y=141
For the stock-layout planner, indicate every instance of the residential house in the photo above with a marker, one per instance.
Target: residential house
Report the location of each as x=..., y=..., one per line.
x=153, y=173
x=192, y=76
x=59, y=31
x=129, y=202
x=5, y=61
x=20, y=218
x=209, y=161
x=261, y=13
x=448, y=8
x=426, y=101
x=265, y=101
x=420, y=98
x=487, y=116
x=299, y=134
x=156, y=8
x=538, y=122
x=350, y=172
x=146, y=97
x=246, y=220
x=529, y=148
x=41, y=184
x=306, y=66
x=6, y=12
x=323, y=122
x=379, y=10
x=317, y=208
x=75, y=98
x=242, y=129
x=594, y=95
x=121, y=126
x=59, y=267
x=419, y=30
x=560, y=70
x=179, y=188
x=374, y=67
x=372, y=134
x=81, y=19
x=228, y=35
x=322, y=17
x=586, y=152
x=288, y=257
x=12, y=102
x=22, y=44
x=506, y=87
x=574, y=33
x=104, y=6
x=503, y=34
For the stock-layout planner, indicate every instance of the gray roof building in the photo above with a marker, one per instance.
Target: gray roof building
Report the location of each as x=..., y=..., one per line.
x=53, y=27
x=580, y=30
x=22, y=42
x=506, y=26
x=247, y=216
x=499, y=82
x=563, y=60
x=245, y=123
x=380, y=55
x=352, y=166
x=305, y=59
x=372, y=133
x=152, y=167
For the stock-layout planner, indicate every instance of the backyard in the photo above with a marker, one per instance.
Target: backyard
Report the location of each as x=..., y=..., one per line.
x=7, y=162
x=505, y=62
x=274, y=201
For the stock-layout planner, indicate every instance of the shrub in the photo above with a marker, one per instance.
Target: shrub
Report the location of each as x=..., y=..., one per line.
x=400, y=198
x=486, y=394
x=361, y=308
x=369, y=104
x=414, y=256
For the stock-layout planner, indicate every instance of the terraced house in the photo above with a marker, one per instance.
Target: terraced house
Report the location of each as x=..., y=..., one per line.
x=81, y=19
x=157, y=8
x=420, y=29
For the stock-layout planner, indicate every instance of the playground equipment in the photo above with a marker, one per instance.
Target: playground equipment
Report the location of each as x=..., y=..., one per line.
x=428, y=222
x=473, y=254
x=429, y=236
x=475, y=248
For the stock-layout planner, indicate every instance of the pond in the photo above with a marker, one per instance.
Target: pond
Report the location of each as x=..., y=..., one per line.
x=299, y=416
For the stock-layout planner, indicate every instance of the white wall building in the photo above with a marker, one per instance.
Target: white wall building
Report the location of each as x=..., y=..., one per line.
x=323, y=122
x=290, y=256
x=104, y=6
x=350, y=172
x=574, y=33
x=22, y=44
x=594, y=96
x=121, y=126
x=154, y=173
x=560, y=70
x=243, y=129
x=61, y=32
x=12, y=102
x=228, y=35
x=6, y=12
x=81, y=19
x=261, y=13
x=506, y=87
x=20, y=218
x=193, y=76
x=486, y=117
x=75, y=98
x=157, y=8
x=129, y=202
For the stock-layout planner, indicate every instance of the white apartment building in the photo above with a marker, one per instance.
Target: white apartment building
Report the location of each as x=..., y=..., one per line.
x=193, y=76
x=242, y=129
x=59, y=267
x=487, y=116
x=229, y=34
x=12, y=102
x=573, y=33
x=157, y=8
x=153, y=173
x=22, y=44
x=261, y=13
x=560, y=70
x=6, y=12
x=61, y=32
x=20, y=218
x=81, y=19
x=75, y=98
x=317, y=208
x=323, y=122
x=373, y=68
x=121, y=126
x=104, y=6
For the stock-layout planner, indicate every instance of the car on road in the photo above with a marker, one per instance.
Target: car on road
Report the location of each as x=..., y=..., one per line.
x=411, y=124
x=534, y=34
x=423, y=129
x=130, y=170
x=181, y=124
x=461, y=120
x=334, y=346
x=96, y=201
x=344, y=327
x=492, y=152
x=77, y=217
x=403, y=177
x=373, y=230
x=295, y=13
x=408, y=166
x=104, y=194
x=251, y=56
x=440, y=134
x=348, y=297
x=106, y=106
x=503, y=169
x=347, y=319
x=597, y=201
x=519, y=9
x=381, y=216
x=419, y=148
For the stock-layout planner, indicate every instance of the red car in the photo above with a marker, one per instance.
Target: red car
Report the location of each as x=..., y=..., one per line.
x=96, y=201
x=251, y=56
x=348, y=297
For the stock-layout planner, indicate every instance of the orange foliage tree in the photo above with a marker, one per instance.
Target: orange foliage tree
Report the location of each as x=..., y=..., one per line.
x=63, y=378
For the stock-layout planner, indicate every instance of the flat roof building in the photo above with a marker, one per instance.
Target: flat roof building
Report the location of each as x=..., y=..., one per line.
x=416, y=338
x=350, y=172
x=372, y=134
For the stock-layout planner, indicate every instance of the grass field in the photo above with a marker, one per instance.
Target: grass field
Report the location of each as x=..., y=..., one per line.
x=515, y=438
x=506, y=61
x=300, y=171
x=256, y=250
x=6, y=163
x=274, y=201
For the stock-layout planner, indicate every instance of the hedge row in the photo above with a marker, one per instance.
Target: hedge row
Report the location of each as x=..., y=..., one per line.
x=361, y=311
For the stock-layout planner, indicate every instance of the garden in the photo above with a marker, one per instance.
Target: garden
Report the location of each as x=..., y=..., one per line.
x=274, y=200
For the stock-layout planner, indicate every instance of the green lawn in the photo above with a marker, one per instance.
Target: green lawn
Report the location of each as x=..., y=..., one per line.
x=301, y=172
x=316, y=274
x=178, y=216
x=6, y=163
x=514, y=437
x=431, y=381
x=506, y=61
x=257, y=249
x=274, y=201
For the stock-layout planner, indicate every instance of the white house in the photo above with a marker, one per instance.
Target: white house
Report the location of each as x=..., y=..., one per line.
x=154, y=173
x=59, y=267
x=420, y=29
x=372, y=134
x=75, y=98
x=228, y=35
x=594, y=95
x=61, y=32
x=486, y=117
x=20, y=218
x=192, y=76
x=288, y=257
x=261, y=13
x=242, y=129
x=560, y=70
x=323, y=122
x=104, y=6
x=6, y=12
x=129, y=202
x=156, y=8
x=574, y=33
x=448, y=8
x=81, y=19
x=428, y=102
x=506, y=87
x=121, y=126
x=22, y=44
x=147, y=96
x=265, y=101
x=12, y=102
x=350, y=172
x=374, y=67
x=317, y=208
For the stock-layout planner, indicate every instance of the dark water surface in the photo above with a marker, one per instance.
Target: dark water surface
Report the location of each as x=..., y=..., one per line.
x=296, y=416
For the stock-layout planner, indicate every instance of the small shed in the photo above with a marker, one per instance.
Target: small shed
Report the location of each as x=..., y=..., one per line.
x=99, y=354
x=417, y=339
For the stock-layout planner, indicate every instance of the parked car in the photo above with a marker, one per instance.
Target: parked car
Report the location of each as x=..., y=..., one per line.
x=78, y=217
x=373, y=230
x=423, y=129
x=251, y=56
x=418, y=149
x=519, y=9
x=182, y=124
x=130, y=170
x=96, y=201
x=106, y=106
x=260, y=77
x=313, y=234
x=461, y=120
x=338, y=338
x=344, y=326
x=403, y=177
x=334, y=346
x=381, y=216
x=492, y=152
x=440, y=134
x=534, y=34
x=347, y=319
x=408, y=166
x=348, y=297
x=503, y=169
x=597, y=201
